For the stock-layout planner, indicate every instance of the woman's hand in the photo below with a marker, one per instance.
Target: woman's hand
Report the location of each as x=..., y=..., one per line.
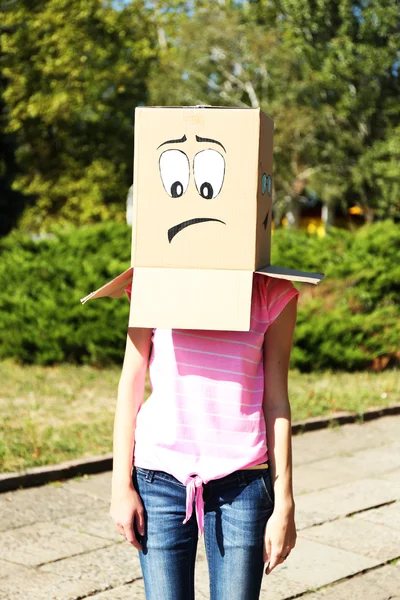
x=127, y=510
x=279, y=538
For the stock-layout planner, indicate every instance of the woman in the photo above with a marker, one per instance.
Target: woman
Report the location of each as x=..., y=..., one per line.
x=211, y=450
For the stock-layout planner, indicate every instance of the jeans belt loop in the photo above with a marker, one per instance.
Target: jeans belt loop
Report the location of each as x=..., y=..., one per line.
x=150, y=476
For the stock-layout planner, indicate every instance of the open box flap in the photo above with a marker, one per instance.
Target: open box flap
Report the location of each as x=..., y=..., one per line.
x=291, y=274
x=114, y=288
x=191, y=299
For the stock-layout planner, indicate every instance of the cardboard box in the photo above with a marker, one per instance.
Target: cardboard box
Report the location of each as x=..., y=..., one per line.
x=202, y=212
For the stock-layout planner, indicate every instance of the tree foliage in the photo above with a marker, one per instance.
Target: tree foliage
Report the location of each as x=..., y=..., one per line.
x=327, y=72
x=75, y=69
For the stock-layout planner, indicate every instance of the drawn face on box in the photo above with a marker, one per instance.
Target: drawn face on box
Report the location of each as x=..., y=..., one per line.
x=196, y=183
x=208, y=171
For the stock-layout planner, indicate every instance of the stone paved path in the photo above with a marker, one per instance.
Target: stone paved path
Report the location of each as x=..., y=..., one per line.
x=57, y=542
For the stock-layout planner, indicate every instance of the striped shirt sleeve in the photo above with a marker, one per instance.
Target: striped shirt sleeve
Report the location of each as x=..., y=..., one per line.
x=279, y=294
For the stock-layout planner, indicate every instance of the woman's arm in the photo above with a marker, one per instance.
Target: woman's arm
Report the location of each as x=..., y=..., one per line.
x=280, y=535
x=126, y=507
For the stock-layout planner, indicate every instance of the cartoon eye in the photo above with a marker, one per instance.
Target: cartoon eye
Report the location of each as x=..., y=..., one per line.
x=264, y=181
x=209, y=172
x=266, y=184
x=174, y=170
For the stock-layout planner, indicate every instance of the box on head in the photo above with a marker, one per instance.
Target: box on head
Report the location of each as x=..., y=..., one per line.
x=202, y=213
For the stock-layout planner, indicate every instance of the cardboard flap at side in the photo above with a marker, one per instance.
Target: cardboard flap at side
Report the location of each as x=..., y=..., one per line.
x=291, y=274
x=114, y=288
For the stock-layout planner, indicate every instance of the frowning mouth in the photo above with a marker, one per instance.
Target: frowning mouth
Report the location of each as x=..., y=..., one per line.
x=177, y=228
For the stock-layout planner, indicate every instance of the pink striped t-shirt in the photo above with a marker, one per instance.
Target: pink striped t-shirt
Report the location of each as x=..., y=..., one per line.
x=204, y=418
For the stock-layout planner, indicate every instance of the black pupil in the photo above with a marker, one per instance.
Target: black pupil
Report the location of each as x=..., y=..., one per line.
x=176, y=189
x=206, y=190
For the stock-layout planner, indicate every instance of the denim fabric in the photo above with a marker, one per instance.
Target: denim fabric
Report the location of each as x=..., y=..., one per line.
x=237, y=508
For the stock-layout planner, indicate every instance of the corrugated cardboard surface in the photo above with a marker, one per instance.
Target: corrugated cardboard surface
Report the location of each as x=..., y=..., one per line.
x=229, y=244
x=113, y=289
x=194, y=256
x=191, y=299
x=264, y=200
x=291, y=274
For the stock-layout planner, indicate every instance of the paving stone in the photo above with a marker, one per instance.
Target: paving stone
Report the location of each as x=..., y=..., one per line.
x=8, y=569
x=276, y=586
x=131, y=591
x=43, y=586
x=199, y=593
x=101, y=569
x=202, y=579
x=39, y=584
x=326, y=443
x=306, y=517
x=41, y=504
x=80, y=508
x=96, y=486
x=337, y=470
x=97, y=523
x=342, y=500
x=134, y=591
x=385, y=515
x=378, y=584
x=392, y=475
x=320, y=475
x=314, y=564
x=385, y=428
x=369, y=539
x=44, y=542
x=373, y=462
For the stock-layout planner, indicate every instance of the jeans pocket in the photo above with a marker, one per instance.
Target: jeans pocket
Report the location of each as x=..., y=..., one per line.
x=145, y=476
x=141, y=471
x=268, y=487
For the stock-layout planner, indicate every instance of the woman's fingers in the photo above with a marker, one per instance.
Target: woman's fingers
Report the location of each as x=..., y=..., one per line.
x=127, y=512
x=127, y=531
x=279, y=539
x=140, y=521
x=275, y=560
x=277, y=557
x=131, y=537
x=267, y=549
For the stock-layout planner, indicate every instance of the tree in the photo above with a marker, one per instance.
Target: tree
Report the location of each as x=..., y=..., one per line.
x=74, y=69
x=325, y=71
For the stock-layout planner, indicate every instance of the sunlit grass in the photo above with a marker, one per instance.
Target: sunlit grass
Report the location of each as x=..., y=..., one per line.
x=52, y=414
x=318, y=394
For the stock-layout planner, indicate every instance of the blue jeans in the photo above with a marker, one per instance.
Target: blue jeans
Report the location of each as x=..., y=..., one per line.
x=236, y=510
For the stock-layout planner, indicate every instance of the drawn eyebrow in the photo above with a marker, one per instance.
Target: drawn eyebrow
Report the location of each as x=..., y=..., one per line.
x=182, y=139
x=201, y=139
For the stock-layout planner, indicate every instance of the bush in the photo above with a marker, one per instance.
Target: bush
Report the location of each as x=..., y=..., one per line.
x=41, y=318
x=350, y=321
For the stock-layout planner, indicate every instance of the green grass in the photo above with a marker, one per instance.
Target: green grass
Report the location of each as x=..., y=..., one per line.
x=52, y=414
x=319, y=394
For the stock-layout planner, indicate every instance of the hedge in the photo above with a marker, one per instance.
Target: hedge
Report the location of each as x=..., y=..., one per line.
x=350, y=321
x=41, y=318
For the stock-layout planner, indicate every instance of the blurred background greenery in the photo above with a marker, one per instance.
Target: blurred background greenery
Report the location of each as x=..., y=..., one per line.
x=72, y=72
